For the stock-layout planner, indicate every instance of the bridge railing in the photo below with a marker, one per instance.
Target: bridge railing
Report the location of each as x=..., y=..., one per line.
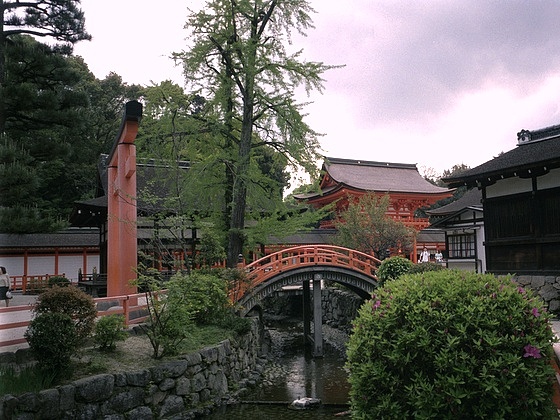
x=303, y=256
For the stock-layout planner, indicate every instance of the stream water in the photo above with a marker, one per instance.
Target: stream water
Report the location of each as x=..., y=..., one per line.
x=292, y=374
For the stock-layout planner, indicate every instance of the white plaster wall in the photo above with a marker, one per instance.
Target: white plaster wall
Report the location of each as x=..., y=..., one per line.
x=480, y=249
x=509, y=186
x=550, y=180
x=464, y=265
x=14, y=265
x=70, y=264
x=40, y=265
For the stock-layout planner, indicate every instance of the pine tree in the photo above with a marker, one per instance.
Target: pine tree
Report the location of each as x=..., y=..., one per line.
x=61, y=20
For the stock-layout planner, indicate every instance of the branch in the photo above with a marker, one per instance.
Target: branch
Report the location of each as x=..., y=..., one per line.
x=266, y=17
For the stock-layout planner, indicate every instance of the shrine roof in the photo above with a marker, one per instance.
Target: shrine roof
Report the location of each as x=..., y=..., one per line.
x=68, y=238
x=535, y=149
x=379, y=176
x=472, y=199
x=153, y=181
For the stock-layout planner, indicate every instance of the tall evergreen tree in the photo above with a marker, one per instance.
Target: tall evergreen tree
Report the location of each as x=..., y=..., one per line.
x=59, y=119
x=240, y=61
x=60, y=20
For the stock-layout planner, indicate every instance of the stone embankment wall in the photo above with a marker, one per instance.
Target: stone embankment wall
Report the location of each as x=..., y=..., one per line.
x=184, y=388
x=340, y=308
x=547, y=287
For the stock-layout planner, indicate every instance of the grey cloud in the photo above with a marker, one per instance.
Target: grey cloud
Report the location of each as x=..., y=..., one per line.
x=411, y=59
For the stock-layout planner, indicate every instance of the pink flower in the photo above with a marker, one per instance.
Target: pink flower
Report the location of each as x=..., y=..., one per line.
x=376, y=305
x=532, y=351
x=535, y=312
x=520, y=290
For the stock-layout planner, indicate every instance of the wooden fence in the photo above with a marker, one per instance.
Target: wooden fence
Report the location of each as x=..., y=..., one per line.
x=34, y=284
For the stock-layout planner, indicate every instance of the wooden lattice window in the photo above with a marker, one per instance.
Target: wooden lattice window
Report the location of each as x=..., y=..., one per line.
x=462, y=246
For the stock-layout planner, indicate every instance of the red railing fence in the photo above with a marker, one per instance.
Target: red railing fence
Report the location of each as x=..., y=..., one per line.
x=15, y=319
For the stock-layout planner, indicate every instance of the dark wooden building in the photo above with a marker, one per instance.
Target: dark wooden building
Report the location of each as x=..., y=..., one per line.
x=521, y=202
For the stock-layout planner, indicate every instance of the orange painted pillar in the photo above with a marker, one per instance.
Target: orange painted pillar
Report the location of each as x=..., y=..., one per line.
x=122, y=245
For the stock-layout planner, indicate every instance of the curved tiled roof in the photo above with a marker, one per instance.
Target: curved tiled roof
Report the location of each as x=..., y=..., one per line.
x=69, y=238
x=380, y=176
x=471, y=199
x=541, y=150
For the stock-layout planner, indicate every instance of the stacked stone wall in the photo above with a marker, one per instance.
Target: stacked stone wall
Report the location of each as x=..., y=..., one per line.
x=185, y=387
x=547, y=287
x=340, y=308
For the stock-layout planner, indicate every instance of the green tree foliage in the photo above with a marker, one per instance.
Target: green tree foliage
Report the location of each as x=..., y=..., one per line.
x=59, y=20
x=206, y=296
x=179, y=137
x=52, y=340
x=439, y=181
x=185, y=166
x=72, y=302
x=364, y=226
x=449, y=344
x=59, y=119
x=211, y=250
x=455, y=170
x=169, y=319
x=240, y=62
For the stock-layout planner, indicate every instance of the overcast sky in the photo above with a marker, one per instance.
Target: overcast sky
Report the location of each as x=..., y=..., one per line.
x=436, y=83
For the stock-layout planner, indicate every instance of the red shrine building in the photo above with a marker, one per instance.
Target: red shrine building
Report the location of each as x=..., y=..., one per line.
x=346, y=179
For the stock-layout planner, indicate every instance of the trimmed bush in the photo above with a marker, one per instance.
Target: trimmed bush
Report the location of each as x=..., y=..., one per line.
x=392, y=268
x=52, y=340
x=448, y=344
x=108, y=330
x=71, y=301
x=58, y=281
x=426, y=266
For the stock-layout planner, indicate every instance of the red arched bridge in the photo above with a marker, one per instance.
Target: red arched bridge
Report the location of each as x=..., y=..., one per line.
x=298, y=265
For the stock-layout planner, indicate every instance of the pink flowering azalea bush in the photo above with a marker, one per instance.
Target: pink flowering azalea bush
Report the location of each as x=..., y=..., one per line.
x=451, y=345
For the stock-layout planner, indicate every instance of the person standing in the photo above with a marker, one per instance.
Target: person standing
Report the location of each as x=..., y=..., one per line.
x=425, y=256
x=4, y=285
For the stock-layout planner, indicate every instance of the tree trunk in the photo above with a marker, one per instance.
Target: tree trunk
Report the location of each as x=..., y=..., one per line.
x=2, y=71
x=237, y=226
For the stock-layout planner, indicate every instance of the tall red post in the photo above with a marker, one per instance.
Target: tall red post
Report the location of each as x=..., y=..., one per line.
x=122, y=245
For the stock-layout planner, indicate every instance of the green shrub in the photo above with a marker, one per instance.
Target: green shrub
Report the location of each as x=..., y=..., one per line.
x=52, y=340
x=205, y=295
x=73, y=302
x=234, y=278
x=36, y=285
x=108, y=330
x=426, y=266
x=58, y=281
x=169, y=320
x=392, y=268
x=236, y=324
x=448, y=344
